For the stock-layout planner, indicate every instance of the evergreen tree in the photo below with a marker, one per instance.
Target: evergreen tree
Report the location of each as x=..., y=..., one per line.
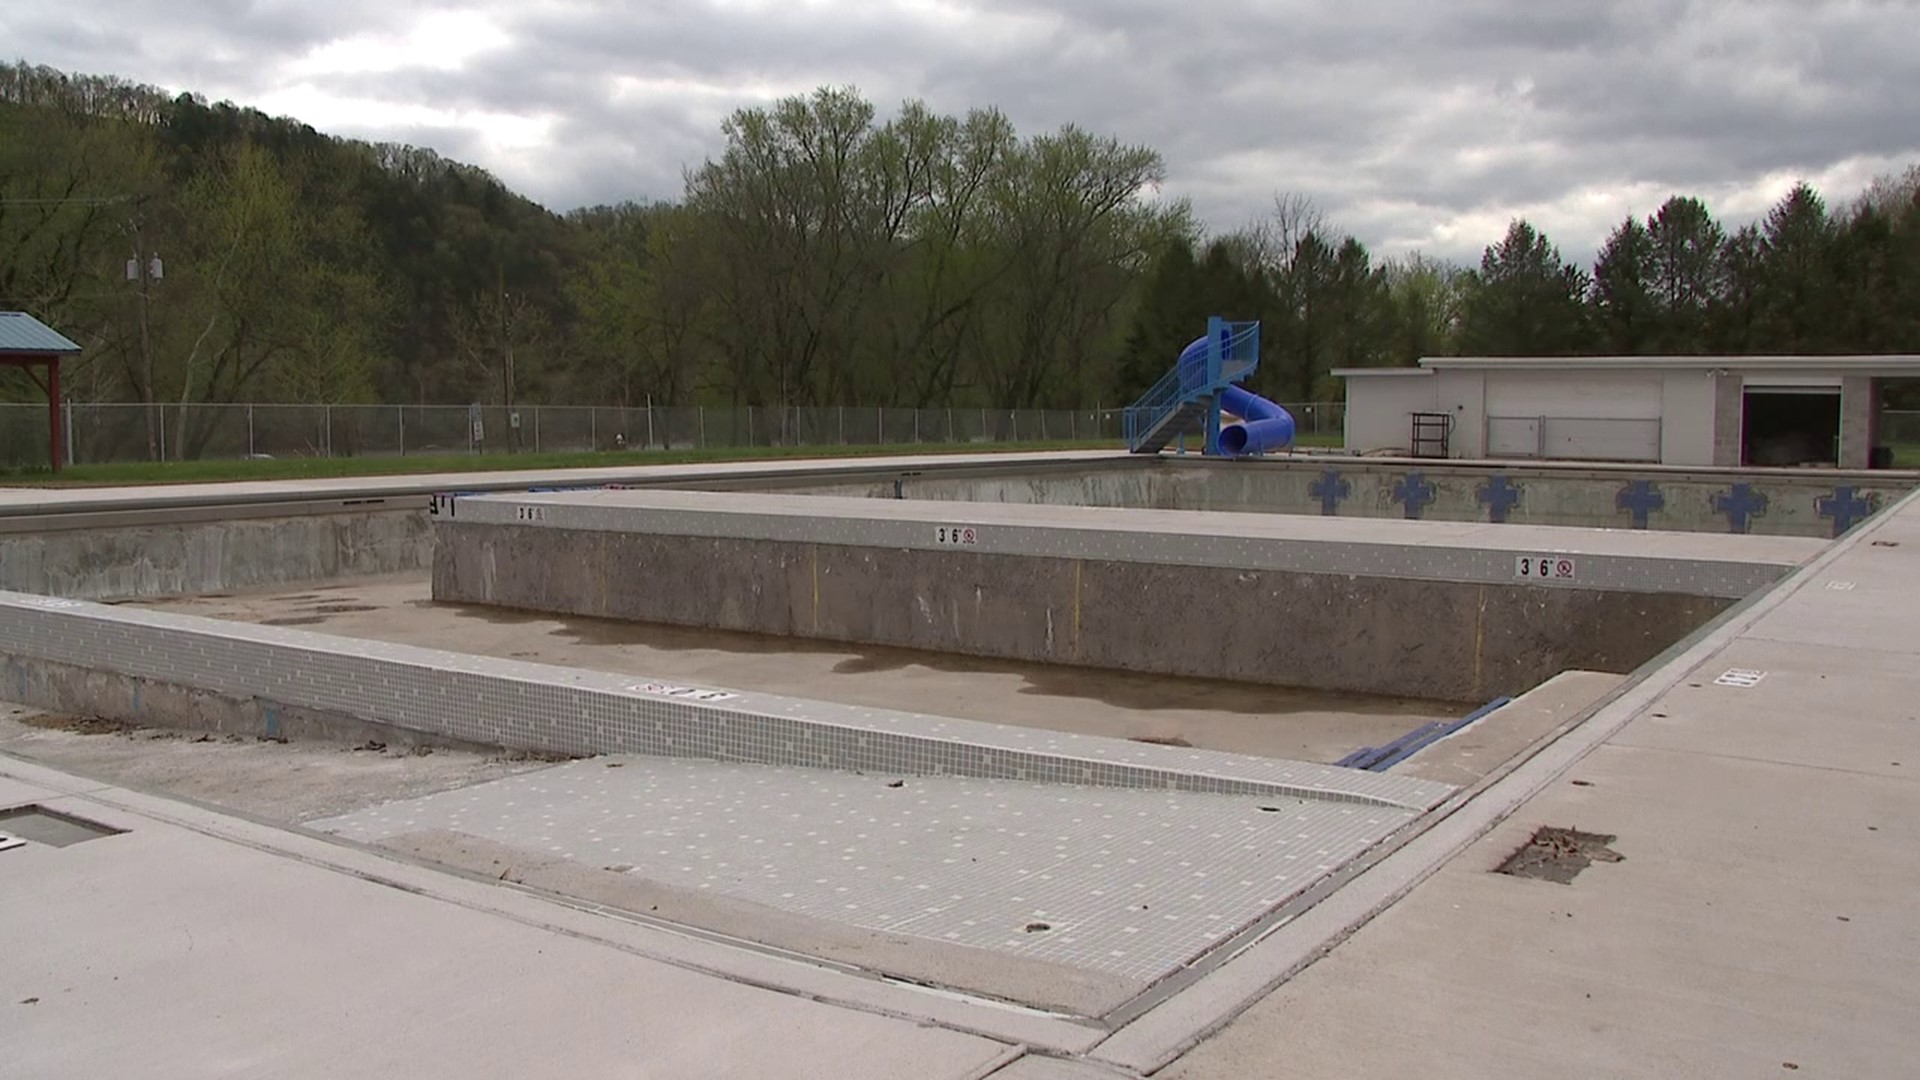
x=1797, y=301
x=1525, y=301
x=1164, y=321
x=1686, y=278
x=1623, y=307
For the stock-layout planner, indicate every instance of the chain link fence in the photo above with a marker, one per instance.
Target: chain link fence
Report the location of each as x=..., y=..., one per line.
x=100, y=434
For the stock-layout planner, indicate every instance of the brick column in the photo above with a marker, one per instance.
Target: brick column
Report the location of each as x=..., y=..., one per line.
x=1729, y=401
x=1859, y=420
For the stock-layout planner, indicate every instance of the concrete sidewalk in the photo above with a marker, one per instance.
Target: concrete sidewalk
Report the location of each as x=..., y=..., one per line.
x=1760, y=924
x=165, y=951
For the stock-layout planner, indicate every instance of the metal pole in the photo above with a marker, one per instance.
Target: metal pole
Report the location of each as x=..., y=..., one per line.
x=327, y=418
x=250, y=450
x=842, y=412
x=536, y=429
x=593, y=426
x=54, y=440
x=69, y=428
x=400, y=412
x=880, y=418
x=703, y=426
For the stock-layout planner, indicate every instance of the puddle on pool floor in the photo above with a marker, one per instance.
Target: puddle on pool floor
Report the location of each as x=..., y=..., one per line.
x=1271, y=721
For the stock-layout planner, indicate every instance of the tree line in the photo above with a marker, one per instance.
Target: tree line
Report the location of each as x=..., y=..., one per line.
x=826, y=256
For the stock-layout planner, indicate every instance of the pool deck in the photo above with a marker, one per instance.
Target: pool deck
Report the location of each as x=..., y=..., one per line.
x=39, y=500
x=1759, y=924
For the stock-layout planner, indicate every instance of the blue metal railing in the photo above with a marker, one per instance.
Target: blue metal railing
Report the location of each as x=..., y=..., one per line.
x=1143, y=415
x=1231, y=354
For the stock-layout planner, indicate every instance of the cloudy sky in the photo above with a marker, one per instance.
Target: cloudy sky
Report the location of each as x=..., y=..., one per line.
x=1414, y=124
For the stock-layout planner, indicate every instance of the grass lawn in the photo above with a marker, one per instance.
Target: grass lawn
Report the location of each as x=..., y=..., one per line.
x=183, y=472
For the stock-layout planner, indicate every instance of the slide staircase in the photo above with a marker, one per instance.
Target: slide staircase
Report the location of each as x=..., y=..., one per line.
x=1190, y=399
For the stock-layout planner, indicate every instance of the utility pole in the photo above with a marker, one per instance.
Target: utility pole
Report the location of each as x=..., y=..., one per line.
x=506, y=359
x=147, y=269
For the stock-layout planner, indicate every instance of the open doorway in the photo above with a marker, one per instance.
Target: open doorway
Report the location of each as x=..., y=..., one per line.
x=1788, y=426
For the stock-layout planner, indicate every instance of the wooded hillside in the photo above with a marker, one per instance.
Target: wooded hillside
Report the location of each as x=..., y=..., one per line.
x=829, y=255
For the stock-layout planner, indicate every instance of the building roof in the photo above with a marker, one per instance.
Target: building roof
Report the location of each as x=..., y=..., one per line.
x=1884, y=364
x=23, y=335
x=1350, y=372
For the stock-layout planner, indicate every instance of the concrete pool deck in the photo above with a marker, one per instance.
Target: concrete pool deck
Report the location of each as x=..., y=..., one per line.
x=1758, y=924
x=1761, y=788
x=21, y=501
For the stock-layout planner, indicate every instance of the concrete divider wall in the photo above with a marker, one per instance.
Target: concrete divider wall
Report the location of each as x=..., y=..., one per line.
x=214, y=556
x=1765, y=502
x=1449, y=640
x=1426, y=611
x=65, y=654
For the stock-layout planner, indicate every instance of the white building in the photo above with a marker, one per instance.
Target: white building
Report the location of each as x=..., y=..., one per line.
x=1676, y=410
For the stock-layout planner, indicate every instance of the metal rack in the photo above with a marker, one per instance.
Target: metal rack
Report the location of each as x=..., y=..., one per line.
x=1431, y=434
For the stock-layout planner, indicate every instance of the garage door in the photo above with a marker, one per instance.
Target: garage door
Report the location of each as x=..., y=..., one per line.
x=1579, y=416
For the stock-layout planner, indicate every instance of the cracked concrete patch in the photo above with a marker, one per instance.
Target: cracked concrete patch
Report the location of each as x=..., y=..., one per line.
x=1558, y=855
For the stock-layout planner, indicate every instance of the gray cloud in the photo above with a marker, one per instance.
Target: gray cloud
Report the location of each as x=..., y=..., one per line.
x=1412, y=124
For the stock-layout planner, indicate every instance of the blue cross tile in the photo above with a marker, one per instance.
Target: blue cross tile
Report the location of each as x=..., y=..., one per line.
x=1846, y=507
x=1741, y=504
x=1640, y=498
x=1414, y=493
x=1499, y=495
x=1330, y=489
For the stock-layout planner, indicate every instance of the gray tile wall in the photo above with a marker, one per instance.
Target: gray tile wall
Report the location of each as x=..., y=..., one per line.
x=519, y=705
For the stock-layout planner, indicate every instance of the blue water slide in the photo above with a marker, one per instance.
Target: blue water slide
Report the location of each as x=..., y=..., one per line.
x=1192, y=364
x=1264, y=426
